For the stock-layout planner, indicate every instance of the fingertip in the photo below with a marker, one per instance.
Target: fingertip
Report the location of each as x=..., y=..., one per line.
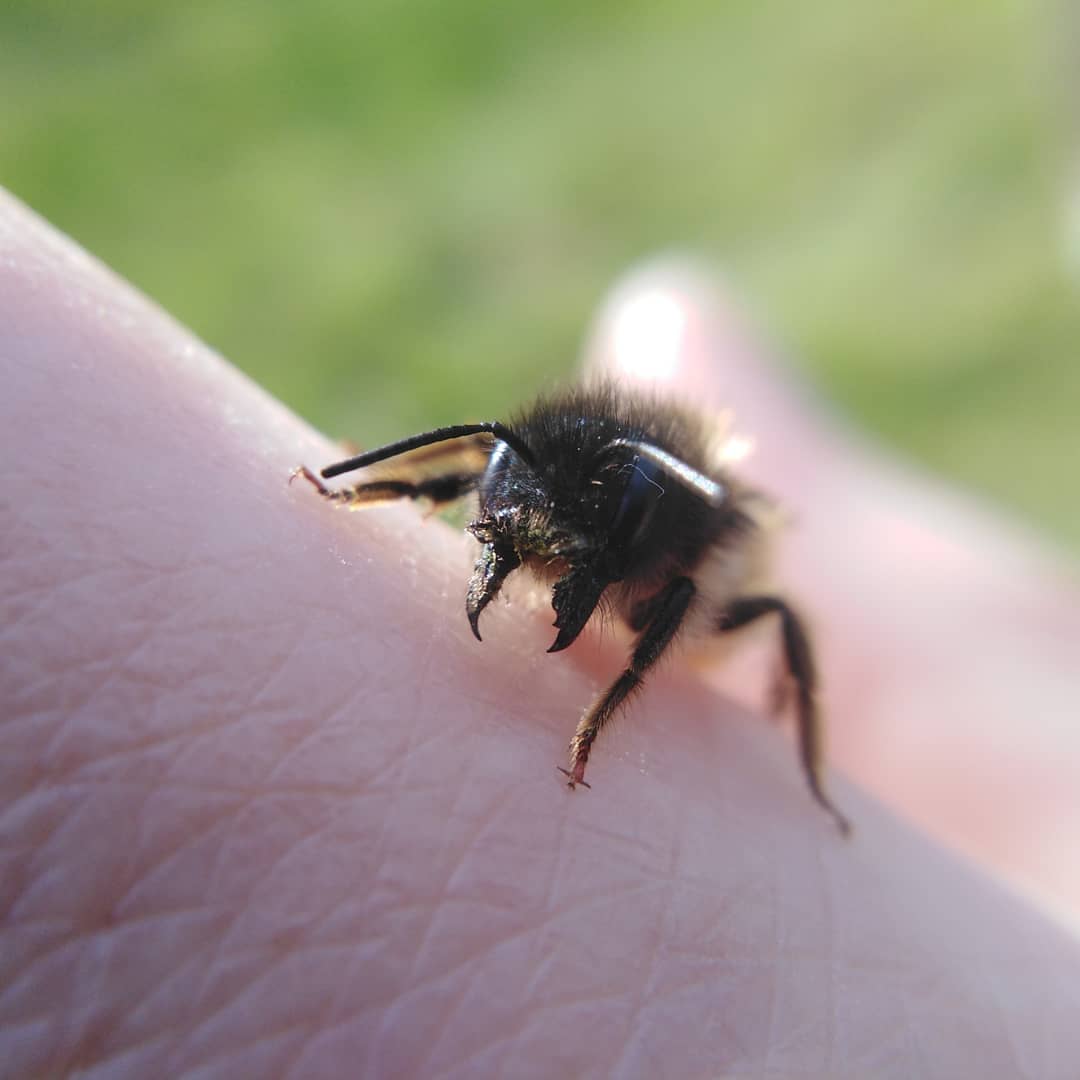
x=671, y=322
x=677, y=326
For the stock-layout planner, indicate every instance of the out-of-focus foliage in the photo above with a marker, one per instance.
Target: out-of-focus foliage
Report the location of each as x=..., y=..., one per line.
x=401, y=212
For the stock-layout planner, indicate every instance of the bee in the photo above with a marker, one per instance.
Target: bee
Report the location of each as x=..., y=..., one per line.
x=618, y=502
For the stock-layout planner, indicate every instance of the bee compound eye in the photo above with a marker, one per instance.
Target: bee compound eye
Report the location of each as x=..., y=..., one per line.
x=643, y=491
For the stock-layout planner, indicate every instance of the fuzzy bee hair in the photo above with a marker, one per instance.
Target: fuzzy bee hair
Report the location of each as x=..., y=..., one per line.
x=612, y=499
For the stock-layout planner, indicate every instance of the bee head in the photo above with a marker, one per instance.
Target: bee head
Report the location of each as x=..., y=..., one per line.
x=572, y=508
x=590, y=515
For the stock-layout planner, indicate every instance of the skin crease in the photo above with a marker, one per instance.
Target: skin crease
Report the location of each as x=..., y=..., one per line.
x=268, y=809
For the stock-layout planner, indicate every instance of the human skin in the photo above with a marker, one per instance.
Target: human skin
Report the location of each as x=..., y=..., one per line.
x=267, y=807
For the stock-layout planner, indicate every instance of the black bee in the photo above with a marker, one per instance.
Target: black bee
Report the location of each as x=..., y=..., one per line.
x=615, y=498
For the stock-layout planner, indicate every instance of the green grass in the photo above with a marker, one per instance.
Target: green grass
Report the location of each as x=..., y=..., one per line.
x=394, y=214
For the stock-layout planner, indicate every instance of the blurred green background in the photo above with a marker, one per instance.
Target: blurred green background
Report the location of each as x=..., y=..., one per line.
x=395, y=214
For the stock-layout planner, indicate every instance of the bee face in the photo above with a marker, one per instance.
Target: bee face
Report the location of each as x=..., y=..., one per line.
x=600, y=493
x=595, y=505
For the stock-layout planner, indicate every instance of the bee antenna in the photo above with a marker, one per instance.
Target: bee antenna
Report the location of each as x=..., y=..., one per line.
x=427, y=438
x=713, y=492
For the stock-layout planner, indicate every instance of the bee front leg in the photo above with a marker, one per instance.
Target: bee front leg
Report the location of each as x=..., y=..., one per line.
x=497, y=561
x=666, y=615
x=437, y=489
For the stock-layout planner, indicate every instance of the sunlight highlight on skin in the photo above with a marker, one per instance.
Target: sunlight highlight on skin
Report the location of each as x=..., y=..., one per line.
x=647, y=335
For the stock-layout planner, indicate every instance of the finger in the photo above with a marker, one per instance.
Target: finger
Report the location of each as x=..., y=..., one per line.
x=948, y=636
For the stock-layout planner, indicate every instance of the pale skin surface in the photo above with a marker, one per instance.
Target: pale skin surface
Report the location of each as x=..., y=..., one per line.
x=268, y=808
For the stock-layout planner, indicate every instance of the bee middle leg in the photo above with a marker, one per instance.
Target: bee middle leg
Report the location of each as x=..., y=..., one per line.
x=436, y=489
x=666, y=615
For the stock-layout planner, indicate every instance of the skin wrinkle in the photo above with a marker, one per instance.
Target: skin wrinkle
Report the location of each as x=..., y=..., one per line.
x=453, y=1009
x=424, y=982
x=160, y=868
x=207, y=995
x=145, y=871
x=138, y=750
x=211, y=997
x=471, y=843
x=19, y=700
x=104, y=925
x=219, y=826
x=338, y=716
x=337, y=1012
x=286, y=1065
x=299, y=841
x=435, y=1037
x=648, y=996
x=237, y=1060
x=304, y=738
x=122, y=672
x=232, y=1019
x=116, y=1026
x=381, y=843
x=346, y=901
x=132, y=1020
x=513, y=1036
x=660, y=1009
x=494, y=1034
x=260, y=809
x=224, y=742
x=52, y=888
x=527, y=1020
x=25, y=807
x=76, y=1028
x=304, y=921
x=538, y=974
x=327, y=1057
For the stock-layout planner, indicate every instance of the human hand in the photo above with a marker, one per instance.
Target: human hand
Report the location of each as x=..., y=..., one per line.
x=268, y=807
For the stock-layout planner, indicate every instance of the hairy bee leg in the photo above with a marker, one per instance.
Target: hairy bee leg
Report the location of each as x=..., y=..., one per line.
x=496, y=563
x=781, y=692
x=572, y=782
x=311, y=478
x=799, y=659
x=437, y=489
x=667, y=615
